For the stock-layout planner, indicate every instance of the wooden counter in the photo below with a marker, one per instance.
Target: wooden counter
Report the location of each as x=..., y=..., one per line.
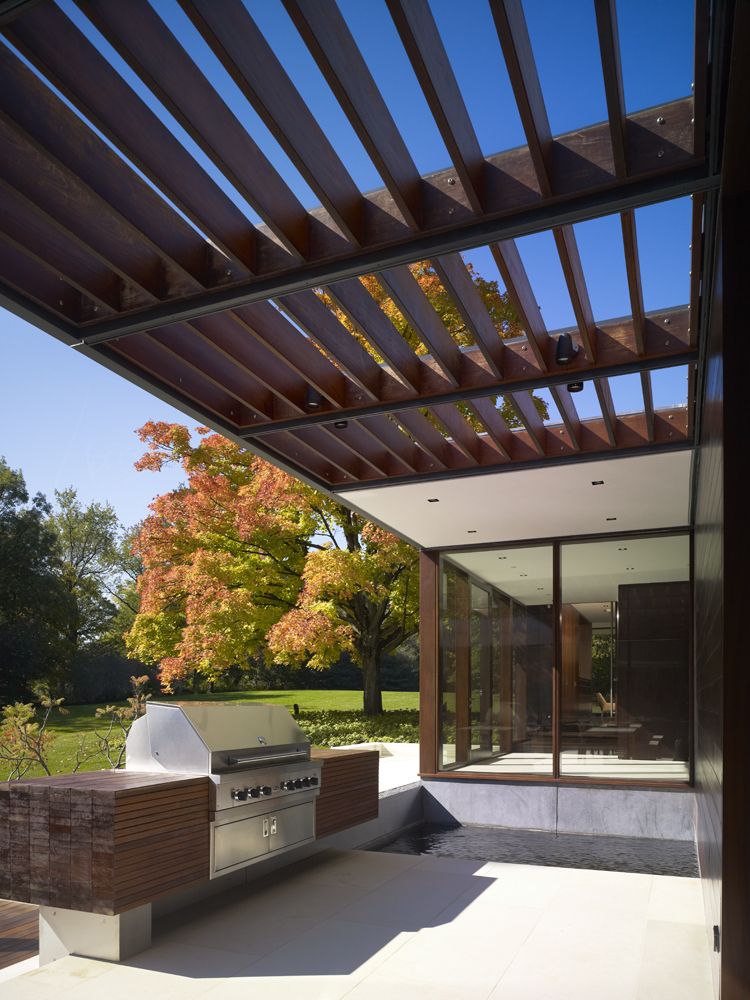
x=103, y=841
x=109, y=841
x=348, y=789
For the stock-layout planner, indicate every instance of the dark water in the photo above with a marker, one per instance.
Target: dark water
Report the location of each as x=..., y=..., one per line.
x=565, y=850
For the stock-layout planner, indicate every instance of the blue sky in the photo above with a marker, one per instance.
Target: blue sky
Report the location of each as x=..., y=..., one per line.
x=67, y=421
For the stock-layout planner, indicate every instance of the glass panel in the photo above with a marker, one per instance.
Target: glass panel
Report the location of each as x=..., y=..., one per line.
x=496, y=653
x=625, y=658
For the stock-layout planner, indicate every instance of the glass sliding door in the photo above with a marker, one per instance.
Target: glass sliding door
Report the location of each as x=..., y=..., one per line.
x=625, y=620
x=496, y=656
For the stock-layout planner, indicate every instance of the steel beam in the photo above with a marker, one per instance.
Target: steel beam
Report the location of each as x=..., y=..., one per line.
x=544, y=380
x=563, y=211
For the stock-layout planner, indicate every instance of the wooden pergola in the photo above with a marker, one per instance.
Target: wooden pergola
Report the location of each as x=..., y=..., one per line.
x=116, y=240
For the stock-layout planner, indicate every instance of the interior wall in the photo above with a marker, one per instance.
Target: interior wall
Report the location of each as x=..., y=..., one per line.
x=722, y=549
x=709, y=633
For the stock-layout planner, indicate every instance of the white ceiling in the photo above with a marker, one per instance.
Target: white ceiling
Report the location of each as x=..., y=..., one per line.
x=592, y=572
x=641, y=491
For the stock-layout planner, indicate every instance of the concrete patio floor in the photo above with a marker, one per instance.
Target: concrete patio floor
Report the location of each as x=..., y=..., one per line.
x=365, y=925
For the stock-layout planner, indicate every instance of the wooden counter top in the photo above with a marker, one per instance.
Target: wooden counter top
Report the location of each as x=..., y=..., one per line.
x=102, y=841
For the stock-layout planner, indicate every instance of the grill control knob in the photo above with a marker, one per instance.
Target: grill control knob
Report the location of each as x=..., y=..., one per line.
x=239, y=794
x=287, y=785
x=313, y=781
x=254, y=793
x=306, y=782
x=298, y=782
x=266, y=790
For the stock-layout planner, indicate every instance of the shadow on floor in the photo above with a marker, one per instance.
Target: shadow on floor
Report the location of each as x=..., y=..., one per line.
x=326, y=919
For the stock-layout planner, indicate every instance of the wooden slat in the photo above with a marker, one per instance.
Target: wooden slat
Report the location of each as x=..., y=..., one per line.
x=700, y=74
x=404, y=289
x=570, y=259
x=691, y=400
x=348, y=791
x=276, y=332
x=60, y=134
x=231, y=337
x=294, y=450
x=363, y=446
x=567, y=407
x=40, y=284
x=609, y=416
x=307, y=310
x=633, y=267
x=530, y=417
x=430, y=439
x=696, y=267
x=495, y=425
x=331, y=44
x=83, y=216
x=189, y=347
x=50, y=40
x=457, y=282
x=353, y=299
x=519, y=60
x=19, y=932
x=33, y=232
x=246, y=55
x=424, y=46
x=99, y=842
x=352, y=466
x=609, y=47
x=168, y=367
x=464, y=437
x=141, y=38
x=383, y=429
x=518, y=286
x=648, y=403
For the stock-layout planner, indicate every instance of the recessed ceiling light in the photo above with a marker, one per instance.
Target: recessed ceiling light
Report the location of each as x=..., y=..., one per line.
x=471, y=531
x=611, y=518
x=540, y=588
x=432, y=500
x=340, y=425
x=597, y=482
x=575, y=386
x=502, y=557
x=630, y=567
x=523, y=574
x=622, y=548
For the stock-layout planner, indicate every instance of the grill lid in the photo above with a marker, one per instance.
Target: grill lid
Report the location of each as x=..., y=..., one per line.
x=205, y=737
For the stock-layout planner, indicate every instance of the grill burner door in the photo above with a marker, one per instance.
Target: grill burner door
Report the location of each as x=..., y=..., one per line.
x=250, y=839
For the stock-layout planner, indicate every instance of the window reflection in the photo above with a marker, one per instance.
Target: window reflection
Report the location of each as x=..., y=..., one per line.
x=497, y=647
x=625, y=658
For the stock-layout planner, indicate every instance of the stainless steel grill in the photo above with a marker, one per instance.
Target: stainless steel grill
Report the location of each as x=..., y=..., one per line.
x=263, y=782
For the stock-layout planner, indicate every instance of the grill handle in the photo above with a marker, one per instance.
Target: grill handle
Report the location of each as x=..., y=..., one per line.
x=276, y=758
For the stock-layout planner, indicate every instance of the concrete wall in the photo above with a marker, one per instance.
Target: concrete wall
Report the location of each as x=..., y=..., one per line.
x=622, y=812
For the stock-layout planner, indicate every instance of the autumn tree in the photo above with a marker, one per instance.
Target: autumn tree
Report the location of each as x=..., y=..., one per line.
x=246, y=561
x=497, y=303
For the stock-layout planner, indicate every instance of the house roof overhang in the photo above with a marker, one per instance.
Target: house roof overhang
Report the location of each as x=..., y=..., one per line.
x=118, y=241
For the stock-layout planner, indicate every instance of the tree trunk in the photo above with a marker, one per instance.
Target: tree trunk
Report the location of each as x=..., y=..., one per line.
x=373, y=699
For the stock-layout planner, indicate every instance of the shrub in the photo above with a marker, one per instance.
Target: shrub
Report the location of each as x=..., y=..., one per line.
x=331, y=728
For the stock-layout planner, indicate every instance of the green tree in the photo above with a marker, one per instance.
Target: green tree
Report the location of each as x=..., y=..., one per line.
x=245, y=561
x=35, y=607
x=87, y=539
x=122, y=589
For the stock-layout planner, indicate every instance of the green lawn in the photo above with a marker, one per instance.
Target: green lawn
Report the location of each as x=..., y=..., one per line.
x=81, y=719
